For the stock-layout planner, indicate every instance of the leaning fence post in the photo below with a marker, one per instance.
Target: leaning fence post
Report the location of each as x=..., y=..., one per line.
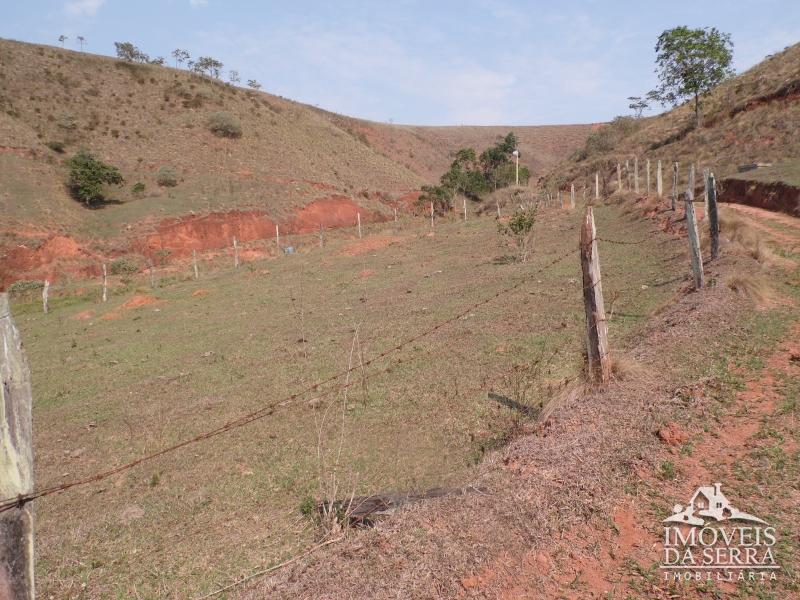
x=235, y=254
x=46, y=296
x=674, y=185
x=694, y=237
x=596, y=185
x=16, y=463
x=659, y=181
x=596, y=326
x=713, y=215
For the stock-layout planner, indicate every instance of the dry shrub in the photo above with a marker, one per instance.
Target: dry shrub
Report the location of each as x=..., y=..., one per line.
x=751, y=286
x=567, y=395
x=738, y=231
x=624, y=368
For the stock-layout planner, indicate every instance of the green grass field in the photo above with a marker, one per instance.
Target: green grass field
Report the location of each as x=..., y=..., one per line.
x=120, y=383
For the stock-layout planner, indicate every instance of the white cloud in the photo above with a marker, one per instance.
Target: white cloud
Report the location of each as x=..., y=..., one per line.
x=198, y=3
x=83, y=8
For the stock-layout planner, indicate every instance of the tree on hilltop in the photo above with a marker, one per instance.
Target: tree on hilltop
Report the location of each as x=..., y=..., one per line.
x=690, y=63
x=81, y=41
x=62, y=38
x=130, y=53
x=253, y=84
x=180, y=56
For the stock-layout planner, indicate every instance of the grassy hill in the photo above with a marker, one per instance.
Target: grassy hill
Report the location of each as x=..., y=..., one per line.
x=144, y=118
x=754, y=117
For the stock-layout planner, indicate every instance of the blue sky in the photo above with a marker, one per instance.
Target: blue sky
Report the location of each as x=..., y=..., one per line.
x=469, y=62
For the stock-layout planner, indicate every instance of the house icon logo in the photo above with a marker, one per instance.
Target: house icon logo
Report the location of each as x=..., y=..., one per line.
x=709, y=502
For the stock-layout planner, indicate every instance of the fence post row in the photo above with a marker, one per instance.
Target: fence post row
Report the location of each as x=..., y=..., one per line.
x=596, y=326
x=694, y=237
x=16, y=462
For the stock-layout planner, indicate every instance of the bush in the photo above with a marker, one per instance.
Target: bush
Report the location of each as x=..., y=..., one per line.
x=124, y=266
x=56, y=146
x=519, y=230
x=24, y=285
x=224, y=124
x=138, y=188
x=88, y=175
x=167, y=177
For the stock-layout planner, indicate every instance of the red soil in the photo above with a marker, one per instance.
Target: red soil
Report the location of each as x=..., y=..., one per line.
x=771, y=196
x=56, y=255
x=369, y=244
x=333, y=211
x=137, y=301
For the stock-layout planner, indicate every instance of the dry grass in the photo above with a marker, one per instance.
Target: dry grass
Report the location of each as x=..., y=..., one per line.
x=740, y=233
x=753, y=287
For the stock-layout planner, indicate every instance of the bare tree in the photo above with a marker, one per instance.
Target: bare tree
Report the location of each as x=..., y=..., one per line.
x=233, y=77
x=81, y=41
x=62, y=38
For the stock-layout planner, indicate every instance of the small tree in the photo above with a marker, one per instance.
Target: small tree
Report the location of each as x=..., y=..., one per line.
x=88, y=175
x=81, y=41
x=638, y=105
x=691, y=62
x=519, y=230
x=208, y=65
x=233, y=77
x=62, y=38
x=130, y=53
x=167, y=177
x=253, y=84
x=180, y=56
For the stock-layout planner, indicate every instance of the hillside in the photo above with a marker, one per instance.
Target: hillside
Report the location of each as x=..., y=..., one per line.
x=142, y=118
x=751, y=118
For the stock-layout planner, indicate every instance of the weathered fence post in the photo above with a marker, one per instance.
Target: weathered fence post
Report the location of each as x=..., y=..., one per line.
x=619, y=178
x=636, y=174
x=674, y=185
x=628, y=174
x=694, y=237
x=497, y=203
x=596, y=326
x=596, y=185
x=465, y=208
x=705, y=193
x=194, y=264
x=235, y=254
x=713, y=215
x=321, y=241
x=395, y=214
x=659, y=181
x=152, y=275
x=16, y=463
x=648, y=176
x=431, y=214
x=572, y=195
x=278, y=239
x=105, y=283
x=46, y=296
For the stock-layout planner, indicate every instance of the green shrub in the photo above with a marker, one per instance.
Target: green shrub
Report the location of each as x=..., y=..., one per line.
x=224, y=124
x=56, y=146
x=25, y=285
x=519, y=230
x=167, y=177
x=124, y=266
x=138, y=188
x=88, y=175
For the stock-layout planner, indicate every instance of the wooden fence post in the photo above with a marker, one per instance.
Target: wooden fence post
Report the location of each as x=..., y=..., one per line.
x=713, y=215
x=235, y=254
x=497, y=203
x=278, y=239
x=596, y=185
x=321, y=241
x=619, y=178
x=628, y=174
x=358, y=218
x=46, y=296
x=694, y=237
x=596, y=326
x=105, y=283
x=395, y=214
x=674, y=185
x=194, y=264
x=16, y=462
x=572, y=195
x=648, y=176
x=636, y=174
x=659, y=181
x=152, y=276
x=705, y=193
x=431, y=215
x=465, y=208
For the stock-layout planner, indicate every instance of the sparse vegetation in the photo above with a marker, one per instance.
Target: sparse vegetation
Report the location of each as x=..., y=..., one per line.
x=88, y=176
x=124, y=265
x=224, y=124
x=519, y=230
x=167, y=177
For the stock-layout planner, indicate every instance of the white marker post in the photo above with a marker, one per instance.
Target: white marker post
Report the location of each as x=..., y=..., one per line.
x=235, y=254
x=194, y=264
x=465, y=209
x=648, y=176
x=278, y=239
x=105, y=283
x=358, y=217
x=46, y=296
x=596, y=185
